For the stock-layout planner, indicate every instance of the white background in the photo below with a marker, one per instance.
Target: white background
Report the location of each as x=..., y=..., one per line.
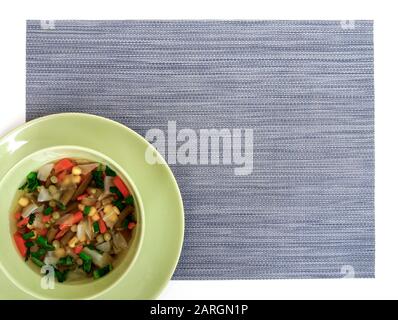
x=385, y=286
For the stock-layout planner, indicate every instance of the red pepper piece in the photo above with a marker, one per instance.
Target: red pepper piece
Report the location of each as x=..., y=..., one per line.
x=121, y=186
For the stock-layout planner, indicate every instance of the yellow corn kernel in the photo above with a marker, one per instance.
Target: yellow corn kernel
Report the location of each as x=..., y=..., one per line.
x=100, y=238
x=67, y=180
x=52, y=203
x=23, y=202
x=112, y=217
x=76, y=179
x=52, y=189
x=108, y=208
x=93, y=211
x=76, y=171
x=56, y=215
x=107, y=236
x=60, y=252
x=54, y=179
x=56, y=244
x=95, y=217
x=72, y=242
x=92, y=191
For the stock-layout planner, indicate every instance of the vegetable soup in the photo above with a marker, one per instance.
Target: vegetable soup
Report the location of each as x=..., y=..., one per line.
x=75, y=215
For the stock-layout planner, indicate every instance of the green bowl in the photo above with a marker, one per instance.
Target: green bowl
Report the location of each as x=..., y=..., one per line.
x=146, y=267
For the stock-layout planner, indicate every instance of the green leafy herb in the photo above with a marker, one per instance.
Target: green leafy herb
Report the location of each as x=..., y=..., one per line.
x=37, y=261
x=127, y=220
x=43, y=242
x=31, y=182
x=28, y=235
x=98, y=179
x=109, y=172
x=61, y=275
x=23, y=187
x=90, y=246
x=86, y=210
x=87, y=266
x=61, y=205
x=27, y=253
x=102, y=272
x=125, y=223
x=96, y=227
x=39, y=253
x=119, y=204
x=66, y=261
x=86, y=261
x=129, y=200
x=84, y=256
x=32, y=218
x=116, y=191
x=48, y=211
x=29, y=244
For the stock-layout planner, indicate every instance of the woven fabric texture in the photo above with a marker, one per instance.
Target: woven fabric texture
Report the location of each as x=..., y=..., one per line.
x=306, y=90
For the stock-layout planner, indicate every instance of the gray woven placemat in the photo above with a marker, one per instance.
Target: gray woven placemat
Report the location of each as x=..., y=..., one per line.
x=304, y=87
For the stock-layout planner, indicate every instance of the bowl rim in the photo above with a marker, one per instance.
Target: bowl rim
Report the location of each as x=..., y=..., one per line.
x=138, y=204
x=171, y=177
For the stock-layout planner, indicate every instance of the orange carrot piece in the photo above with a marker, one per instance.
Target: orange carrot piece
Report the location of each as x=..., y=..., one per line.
x=81, y=197
x=131, y=225
x=121, y=186
x=20, y=242
x=78, y=249
x=74, y=219
x=77, y=217
x=46, y=219
x=43, y=232
x=63, y=164
x=61, y=176
x=23, y=222
x=102, y=226
x=61, y=233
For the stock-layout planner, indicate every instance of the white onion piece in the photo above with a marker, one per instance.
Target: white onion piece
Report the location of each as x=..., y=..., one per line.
x=108, y=183
x=64, y=218
x=87, y=168
x=38, y=223
x=104, y=247
x=100, y=260
x=89, y=229
x=51, y=258
x=29, y=210
x=110, y=220
x=44, y=195
x=81, y=231
x=119, y=241
x=44, y=171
